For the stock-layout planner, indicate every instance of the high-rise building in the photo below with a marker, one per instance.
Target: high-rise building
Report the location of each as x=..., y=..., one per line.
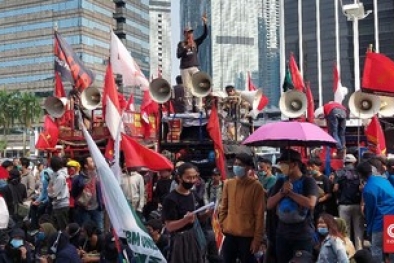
x=132, y=27
x=308, y=40
x=26, y=37
x=233, y=47
x=269, y=51
x=160, y=38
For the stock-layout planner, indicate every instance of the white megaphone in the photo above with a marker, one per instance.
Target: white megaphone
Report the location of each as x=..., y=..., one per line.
x=91, y=98
x=386, y=106
x=293, y=103
x=160, y=90
x=202, y=84
x=364, y=105
x=55, y=107
x=254, y=99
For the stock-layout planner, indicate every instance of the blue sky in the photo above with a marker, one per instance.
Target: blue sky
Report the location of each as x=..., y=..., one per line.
x=175, y=29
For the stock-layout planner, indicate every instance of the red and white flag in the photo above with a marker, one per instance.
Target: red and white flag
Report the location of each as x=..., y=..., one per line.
x=130, y=103
x=124, y=64
x=249, y=83
x=111, y=105
x=339, y=91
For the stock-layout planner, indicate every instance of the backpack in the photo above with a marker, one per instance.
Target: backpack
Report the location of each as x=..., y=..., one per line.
x=288, y=210
x=88, y=194
x=349, y=183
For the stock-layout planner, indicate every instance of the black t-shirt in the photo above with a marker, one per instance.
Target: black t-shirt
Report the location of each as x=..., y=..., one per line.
x=303, y=230
x=325, y=185
x=175, y=207
x=163, y=187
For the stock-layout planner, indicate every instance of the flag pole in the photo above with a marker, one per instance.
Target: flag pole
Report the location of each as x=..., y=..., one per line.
x=319, y=74
x=376, y=24
x=337, y=38
x=300, y=38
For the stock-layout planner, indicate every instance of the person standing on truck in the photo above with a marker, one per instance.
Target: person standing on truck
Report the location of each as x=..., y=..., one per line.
x=335, y=115
x=187, y=52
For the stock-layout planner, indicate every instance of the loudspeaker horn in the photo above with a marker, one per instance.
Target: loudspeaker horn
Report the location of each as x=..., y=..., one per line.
x=55, y=107
x=364, y=105
x=91, y=98
x=160, y=90
x=202, y=84
x=293, y=103
x=254, y=99
x=386, y=106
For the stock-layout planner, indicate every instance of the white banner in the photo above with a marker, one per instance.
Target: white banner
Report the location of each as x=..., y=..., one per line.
x=119, y=212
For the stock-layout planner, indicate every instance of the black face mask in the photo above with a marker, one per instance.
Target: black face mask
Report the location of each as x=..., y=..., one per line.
x=187, y=185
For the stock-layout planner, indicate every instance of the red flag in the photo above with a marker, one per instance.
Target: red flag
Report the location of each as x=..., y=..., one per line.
x=49, y=137
x=148, y=107
x=310, y=104
x=59, y=89
x=137, y=155
x=378, y=73
x=251, y=86
x=213, y=129
x=375, y=136
x=296, y=77
x=110, y=149
x=110, y=102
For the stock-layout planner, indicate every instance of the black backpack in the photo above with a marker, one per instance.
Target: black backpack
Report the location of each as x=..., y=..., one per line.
x=349, y=187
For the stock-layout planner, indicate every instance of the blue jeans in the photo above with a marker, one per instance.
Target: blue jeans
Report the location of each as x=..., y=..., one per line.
x=83, y=215
x=377, y=248
x=336, y=124
x=286, y=248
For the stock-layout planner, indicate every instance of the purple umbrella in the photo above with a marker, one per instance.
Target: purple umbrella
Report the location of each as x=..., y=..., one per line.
x=292, y=133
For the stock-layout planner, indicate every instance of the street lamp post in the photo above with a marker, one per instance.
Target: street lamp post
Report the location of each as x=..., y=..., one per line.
x=355, y=12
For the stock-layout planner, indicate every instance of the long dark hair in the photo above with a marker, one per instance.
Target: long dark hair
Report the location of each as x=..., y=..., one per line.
x=332, y=225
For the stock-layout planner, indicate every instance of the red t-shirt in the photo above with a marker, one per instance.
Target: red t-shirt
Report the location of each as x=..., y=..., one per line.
x=327, y=108
x=4, y=174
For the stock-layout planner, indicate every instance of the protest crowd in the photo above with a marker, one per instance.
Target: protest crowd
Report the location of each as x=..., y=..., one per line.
x=284, y=212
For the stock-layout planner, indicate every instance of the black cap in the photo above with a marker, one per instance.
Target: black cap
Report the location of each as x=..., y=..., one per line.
x=289, y=155
x=363, y=256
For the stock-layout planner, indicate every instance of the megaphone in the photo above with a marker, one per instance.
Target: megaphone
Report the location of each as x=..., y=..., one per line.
x=364, y=105
x=160, y=90
x=91, y=98
x=202, y=84
x=55, y=107
x=293, y=103
x=386, y=106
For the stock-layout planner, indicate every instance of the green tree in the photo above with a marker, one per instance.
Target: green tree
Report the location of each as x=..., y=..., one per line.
x=29, y=112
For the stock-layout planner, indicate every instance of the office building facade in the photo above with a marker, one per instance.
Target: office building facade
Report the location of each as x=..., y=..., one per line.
x=308, y=40
x=26, y=50
x=269, y=56
x=160, y=38
x=26, y=35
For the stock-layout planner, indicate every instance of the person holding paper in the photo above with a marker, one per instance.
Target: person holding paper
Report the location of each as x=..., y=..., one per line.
x=241, y=216
x=181, y=221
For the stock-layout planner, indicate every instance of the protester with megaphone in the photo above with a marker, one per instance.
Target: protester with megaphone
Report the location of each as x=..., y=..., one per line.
x=187, y=53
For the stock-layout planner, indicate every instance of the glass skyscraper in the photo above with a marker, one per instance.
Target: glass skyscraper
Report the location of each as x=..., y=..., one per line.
x=26, y=37
x=328, y=37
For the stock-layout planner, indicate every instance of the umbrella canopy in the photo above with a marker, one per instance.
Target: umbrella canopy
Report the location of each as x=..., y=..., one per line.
x=291, y=133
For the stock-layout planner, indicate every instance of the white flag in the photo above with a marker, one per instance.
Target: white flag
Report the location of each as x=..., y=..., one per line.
x=340, y=92
x=119, y=212
x=124, y=64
